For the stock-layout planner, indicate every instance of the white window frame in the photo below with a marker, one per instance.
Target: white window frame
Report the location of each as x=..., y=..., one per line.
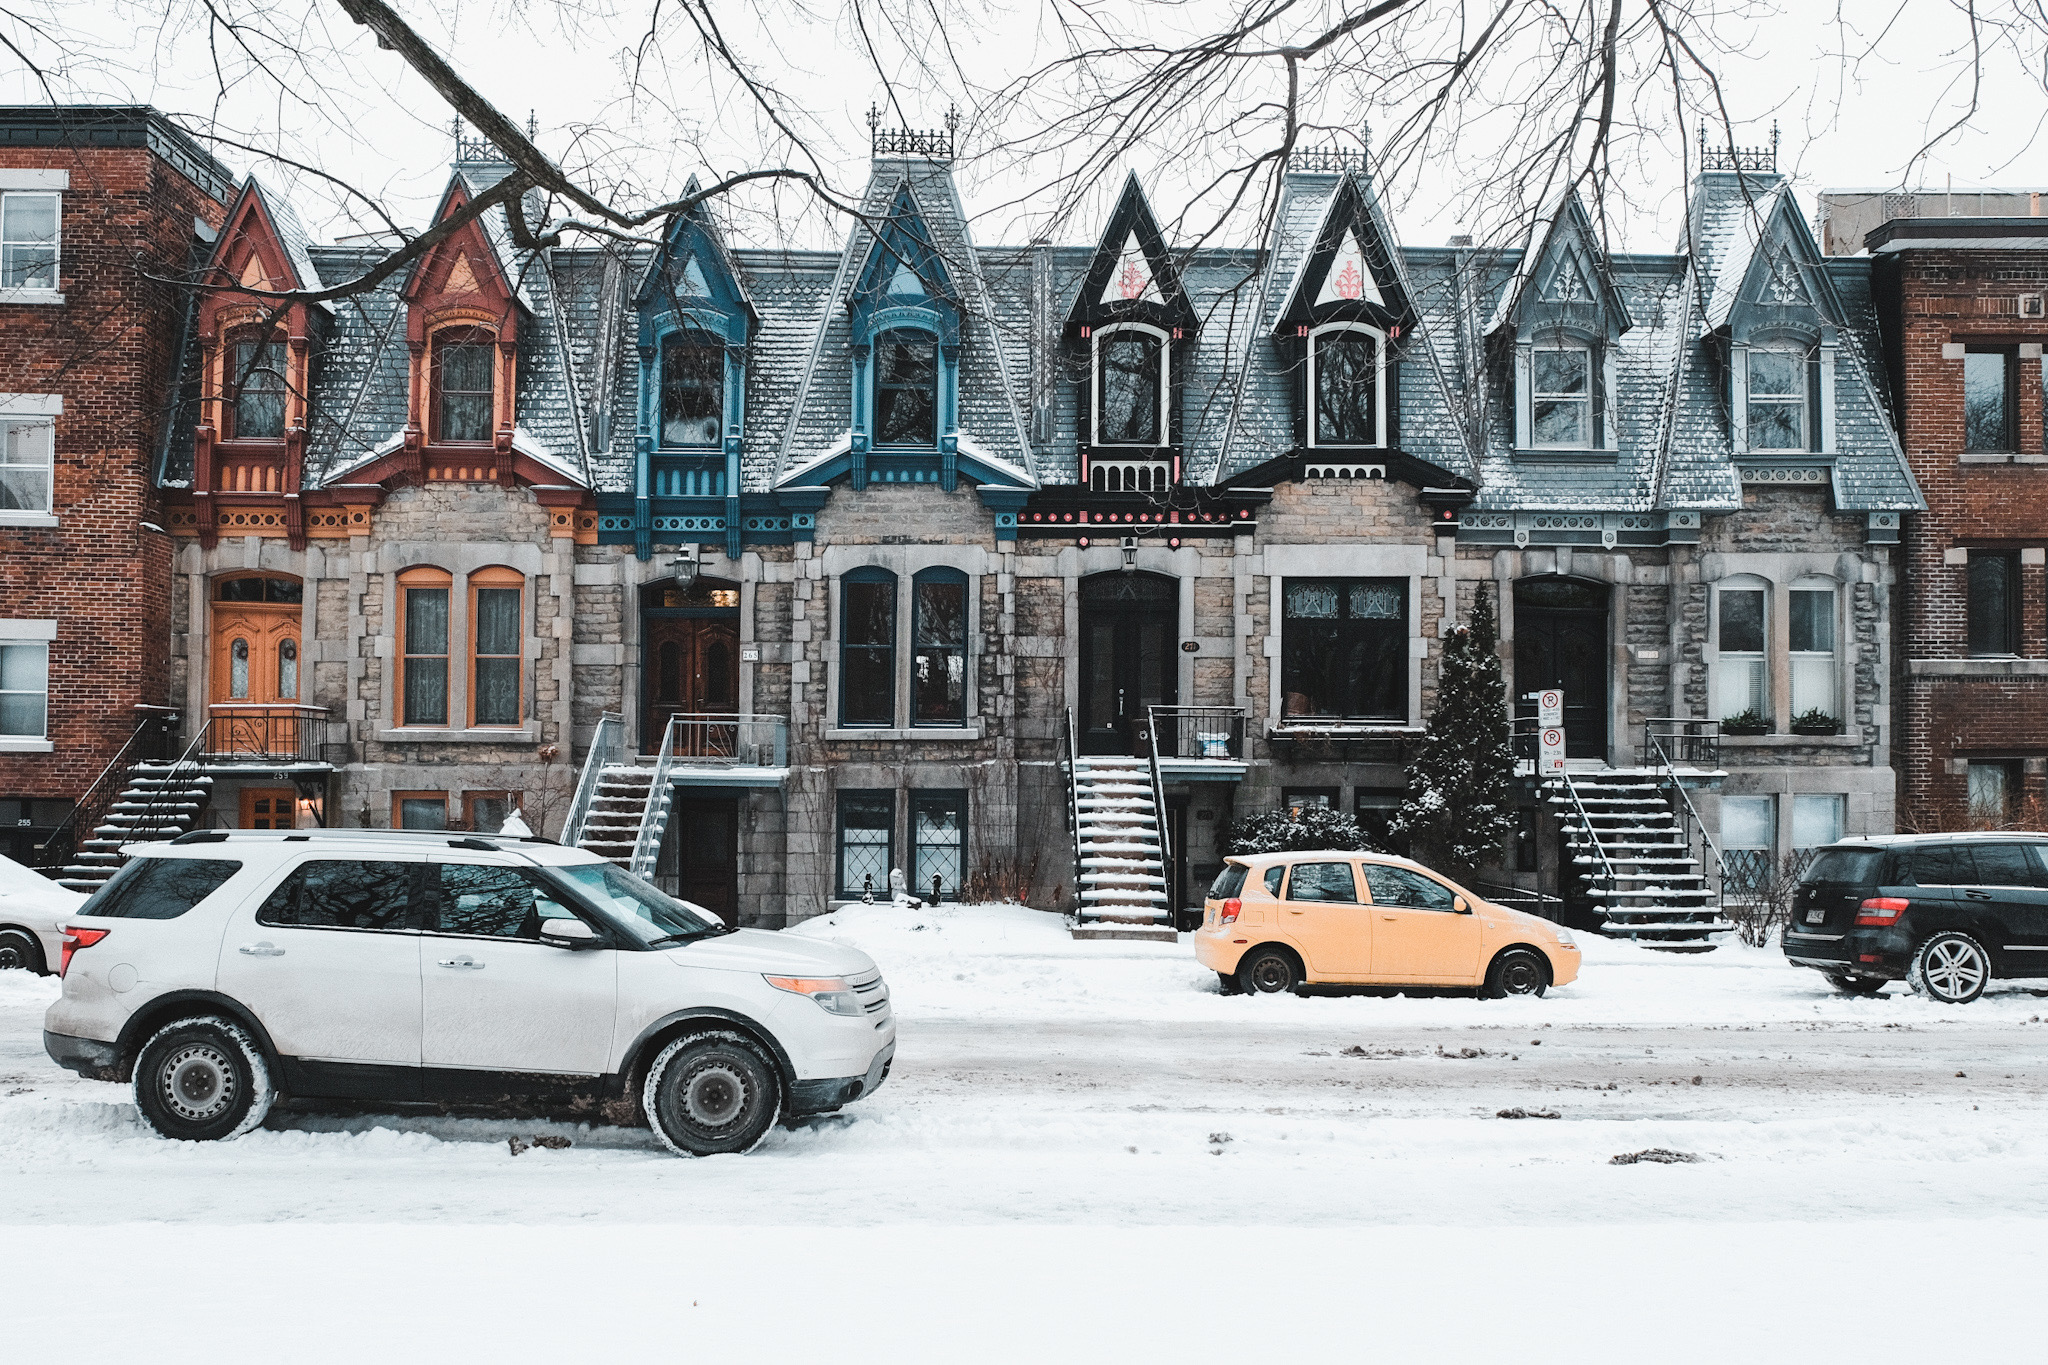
x=1729, y=849
x=32, y=409
x=1758, y=691
x=1379, y=394
x=1816, y=672
x=40, y=182
x=1165, y=383
x=38, y=634
x=1797, y=400
x=1566, y=342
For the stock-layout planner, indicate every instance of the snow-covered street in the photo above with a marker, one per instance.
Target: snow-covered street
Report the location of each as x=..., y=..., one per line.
x=1086, y=1148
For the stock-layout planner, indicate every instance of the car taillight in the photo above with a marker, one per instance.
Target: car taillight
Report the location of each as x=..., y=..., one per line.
x=74, y=939
x=1231, y=908
x=1881, y=911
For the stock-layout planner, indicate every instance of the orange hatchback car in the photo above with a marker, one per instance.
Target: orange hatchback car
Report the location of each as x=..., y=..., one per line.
x=1276, y=921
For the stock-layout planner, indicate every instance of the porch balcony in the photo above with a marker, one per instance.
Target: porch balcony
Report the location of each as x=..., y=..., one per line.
x=263, y=737
x=721, y=749
x=1199, y=743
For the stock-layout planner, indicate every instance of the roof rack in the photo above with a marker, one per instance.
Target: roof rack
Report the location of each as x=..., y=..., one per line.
x=452, y=838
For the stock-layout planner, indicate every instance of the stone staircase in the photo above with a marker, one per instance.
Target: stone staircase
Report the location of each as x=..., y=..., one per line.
x=1626, y=840
x=1122, y=870
x=613, y=824
x=160, y=801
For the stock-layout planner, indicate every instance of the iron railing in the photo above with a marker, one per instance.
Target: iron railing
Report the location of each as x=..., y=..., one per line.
x=654, y=815
x=1686, y=741
x=1165, y=828
x=153, y=740
x=1074, y=805
x=726, y=738
x=242, y=733
x=157, y=811
x=1692, y=814
x=1592, y=835
x=607, y=746
x=1198, y=732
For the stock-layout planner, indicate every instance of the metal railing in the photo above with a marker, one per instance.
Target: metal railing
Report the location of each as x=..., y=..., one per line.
x=1686, y=740
x=168, y=796
x=654, y=815
x=1074, y=805
x=1165, y=828
x=1197, y=732
x=239, y=732
x=728, y=738
x=1586, y=824
x=1692, y=814
x=607, y=746
x=153, y=739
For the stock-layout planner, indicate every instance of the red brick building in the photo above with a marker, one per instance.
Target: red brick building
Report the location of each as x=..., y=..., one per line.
x=102, y=211
x=1961, y=310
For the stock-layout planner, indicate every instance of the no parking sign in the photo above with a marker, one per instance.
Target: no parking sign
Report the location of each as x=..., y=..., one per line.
x=1551, y=760
x=1550, y=707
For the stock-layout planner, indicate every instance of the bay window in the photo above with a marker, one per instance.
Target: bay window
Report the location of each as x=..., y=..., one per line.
x=1561, y=395
x=1815, y=679
x=1346, y=379
x=1130, y=387
x=1739, y=670
x=692, y=392
x=1777, y=400
x=867, y=650
x=423, y=646
x=1344, y=648
x=906, y=389
x=495, y=634
x=938, y=676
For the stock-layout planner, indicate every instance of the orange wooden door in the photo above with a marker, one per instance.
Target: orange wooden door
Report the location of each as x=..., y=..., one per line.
x=256, y=654
x=268, y=807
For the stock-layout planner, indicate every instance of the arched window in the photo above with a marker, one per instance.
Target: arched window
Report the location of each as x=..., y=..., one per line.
x=423, y=646
x=692, y=392
x=1777, y=398
x=938, y=667
x=1347, y=363
x=464, y=375
x=1561, y=394
x=495, y=646
x=1741, y=675
x=257, y=382
x=238, y=666
x=288, y=669
x=906, y=389
x=1130, y=387
x=867, y=648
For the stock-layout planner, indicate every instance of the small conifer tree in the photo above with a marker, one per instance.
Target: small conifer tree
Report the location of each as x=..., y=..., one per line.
x=1457, y=813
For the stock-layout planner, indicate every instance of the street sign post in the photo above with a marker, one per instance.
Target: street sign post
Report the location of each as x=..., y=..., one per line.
x=1550, y=760
x=1550, y=707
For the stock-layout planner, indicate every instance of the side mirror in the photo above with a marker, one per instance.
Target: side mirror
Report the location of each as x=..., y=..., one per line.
x=1461, y=905
x=567, y=933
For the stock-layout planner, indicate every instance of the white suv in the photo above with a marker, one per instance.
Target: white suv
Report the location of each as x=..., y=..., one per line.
x=226, y=969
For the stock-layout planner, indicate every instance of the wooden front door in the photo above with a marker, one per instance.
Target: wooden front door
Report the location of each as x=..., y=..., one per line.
x=268, y=807
x=692, y=667
x=255, y=654
x=708, y=855
x=1561, y=641
x=1129, y=633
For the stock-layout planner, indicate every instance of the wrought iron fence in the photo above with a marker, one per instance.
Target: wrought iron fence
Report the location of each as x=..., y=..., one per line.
x=1684, y=741
x=245, y=734
x=728, y=739
x=1198, y=732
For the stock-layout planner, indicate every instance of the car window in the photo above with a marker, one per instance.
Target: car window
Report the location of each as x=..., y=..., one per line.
x=1273, y=876
x=1854, y=866
x=495, y=902
x=342, y=893
x=2039, y=853
x=1399, y=886
x=158, y=888
x=1935, y=865
x=1322, y=882
x=2003, y=865
x=1228, y=882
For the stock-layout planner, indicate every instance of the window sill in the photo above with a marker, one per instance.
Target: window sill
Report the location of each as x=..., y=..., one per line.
x=1566, y=455
x=1339, y=729
x=27, y=519
x=13, y=745
x=1977, y=668
x=1789, y=740
x=971, y=730
x=421, y=734
x=43, y=296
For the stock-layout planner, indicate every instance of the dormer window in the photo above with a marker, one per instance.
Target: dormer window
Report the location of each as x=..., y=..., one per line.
x=463, y=366
x=906, y=389
x=692, y=392
x=258, y=382
x=1130, y=379
x=1561, y=395
x=1777, y=400
x=1346, y=382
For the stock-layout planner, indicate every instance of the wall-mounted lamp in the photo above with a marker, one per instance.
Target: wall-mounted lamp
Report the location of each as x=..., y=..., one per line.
x=684, y=566
x=1130, y=554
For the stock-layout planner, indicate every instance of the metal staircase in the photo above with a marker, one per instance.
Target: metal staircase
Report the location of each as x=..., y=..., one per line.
x=621, y=807
x=1626, y=840
x=160, y=801
x=1120, y=849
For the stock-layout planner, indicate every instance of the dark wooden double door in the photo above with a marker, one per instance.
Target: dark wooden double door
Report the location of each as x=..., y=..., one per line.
x=1130, y=634
x=1561, y=641
x=691, y=665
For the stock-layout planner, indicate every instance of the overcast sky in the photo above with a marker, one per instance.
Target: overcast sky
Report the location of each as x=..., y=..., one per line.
x=355, y=112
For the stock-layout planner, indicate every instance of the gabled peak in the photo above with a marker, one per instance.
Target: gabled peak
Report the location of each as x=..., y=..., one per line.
x=1350, y=276
x=694, y=272
x=1765, y=271
x=471, y=262
x=1562, y=279
x=903, y=264
x=262, y=246
x=1350, y=270
x=1132, y=277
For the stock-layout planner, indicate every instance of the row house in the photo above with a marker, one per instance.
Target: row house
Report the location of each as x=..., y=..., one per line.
x=1023, y=570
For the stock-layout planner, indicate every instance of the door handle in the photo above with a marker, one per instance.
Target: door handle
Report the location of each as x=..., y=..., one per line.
x=1296, y=910
x=464, y=961
x=1978, y=895
x=1389, y=918
x=261, y=950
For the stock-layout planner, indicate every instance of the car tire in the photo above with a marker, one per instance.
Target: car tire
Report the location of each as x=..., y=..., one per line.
x=202, y=1079
x=19, y=951
x=1856, y=985
x=1518, y=971
x=1951, y=968
x=1228, y=984
x=711, y=1094
x=1269, y=971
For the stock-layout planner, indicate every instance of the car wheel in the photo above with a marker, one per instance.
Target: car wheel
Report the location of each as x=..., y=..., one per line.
x=1856, y=985
x=1518, y=971
x=1228, y=984
x=20, y=952
x=709, y=1094
x=1268, y=971
x=1952, y=968
x=202, y=1080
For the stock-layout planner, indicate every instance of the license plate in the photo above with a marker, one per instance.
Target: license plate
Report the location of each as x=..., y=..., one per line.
x=1816, y=916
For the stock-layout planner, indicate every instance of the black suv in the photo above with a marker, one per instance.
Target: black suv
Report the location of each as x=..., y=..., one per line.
x=1944, y=912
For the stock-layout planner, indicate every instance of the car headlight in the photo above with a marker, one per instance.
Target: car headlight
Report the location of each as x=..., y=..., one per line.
x=1565, y=939
x=832, y=993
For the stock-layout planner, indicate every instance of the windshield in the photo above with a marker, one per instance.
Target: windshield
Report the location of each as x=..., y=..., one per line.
x=651, y=916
